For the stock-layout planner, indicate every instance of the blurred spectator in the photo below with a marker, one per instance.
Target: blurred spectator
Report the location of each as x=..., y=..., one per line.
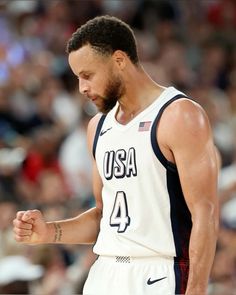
x=16, y=275
x=8, y=246
x=53, y=280
x=227, y=192
x=224, y=267
x=42, y=178
x=76, y=161
x=222, y=14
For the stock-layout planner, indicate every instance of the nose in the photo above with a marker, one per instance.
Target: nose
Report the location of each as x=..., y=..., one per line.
x=83, y=87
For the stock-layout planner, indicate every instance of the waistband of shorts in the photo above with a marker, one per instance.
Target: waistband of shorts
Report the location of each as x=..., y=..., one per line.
x=132, y=259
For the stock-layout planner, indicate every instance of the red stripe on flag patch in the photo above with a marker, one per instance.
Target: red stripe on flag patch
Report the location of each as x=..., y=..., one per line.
x=144, y=126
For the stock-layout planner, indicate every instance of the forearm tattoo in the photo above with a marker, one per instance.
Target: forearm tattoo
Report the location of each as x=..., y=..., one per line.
x=58, y=232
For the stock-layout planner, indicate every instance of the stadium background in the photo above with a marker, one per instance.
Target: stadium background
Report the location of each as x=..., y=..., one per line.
x=44, y=161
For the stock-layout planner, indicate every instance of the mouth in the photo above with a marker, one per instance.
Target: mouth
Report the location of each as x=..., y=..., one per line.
x=92, y=98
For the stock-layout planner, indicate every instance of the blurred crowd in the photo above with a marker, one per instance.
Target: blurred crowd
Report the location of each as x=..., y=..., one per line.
x=44, y=161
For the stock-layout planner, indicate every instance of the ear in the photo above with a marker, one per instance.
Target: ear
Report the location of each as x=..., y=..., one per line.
x=120, y=59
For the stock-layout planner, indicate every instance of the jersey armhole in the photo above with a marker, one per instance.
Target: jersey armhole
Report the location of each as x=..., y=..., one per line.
x=155, y=146
x=99, y=127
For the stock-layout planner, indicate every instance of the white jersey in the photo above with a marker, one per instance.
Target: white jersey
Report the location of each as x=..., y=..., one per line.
x=144, y=211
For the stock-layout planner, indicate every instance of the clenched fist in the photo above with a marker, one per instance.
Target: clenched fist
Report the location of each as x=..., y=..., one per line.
x=30, y=228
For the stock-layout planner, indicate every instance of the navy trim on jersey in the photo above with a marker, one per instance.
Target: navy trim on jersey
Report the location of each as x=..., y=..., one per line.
x=167, y=164
x=177, y=278
x=181, y=227
x=181, y=270
x=99, y=127
x=180, y=215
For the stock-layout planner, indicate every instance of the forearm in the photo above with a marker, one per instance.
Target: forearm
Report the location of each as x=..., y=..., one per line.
x=201, y=251
x=82, y=229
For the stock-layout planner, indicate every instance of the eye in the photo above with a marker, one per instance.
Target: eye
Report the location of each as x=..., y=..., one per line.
x=86, y=76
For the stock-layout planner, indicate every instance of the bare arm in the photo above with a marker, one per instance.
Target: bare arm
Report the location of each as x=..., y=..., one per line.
x=30, y=227
x=193, y=151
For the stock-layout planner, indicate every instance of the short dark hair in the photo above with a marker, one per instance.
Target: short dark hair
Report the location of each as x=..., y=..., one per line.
x=105, y=34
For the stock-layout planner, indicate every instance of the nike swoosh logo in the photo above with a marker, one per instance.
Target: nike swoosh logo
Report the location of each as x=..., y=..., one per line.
x=150, y=282
x=104, y=131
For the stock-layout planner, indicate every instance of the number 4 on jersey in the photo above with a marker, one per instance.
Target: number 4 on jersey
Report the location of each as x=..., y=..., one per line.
x=119, y=216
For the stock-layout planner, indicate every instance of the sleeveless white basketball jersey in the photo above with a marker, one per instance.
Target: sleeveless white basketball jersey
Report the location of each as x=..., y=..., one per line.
x=144, y=211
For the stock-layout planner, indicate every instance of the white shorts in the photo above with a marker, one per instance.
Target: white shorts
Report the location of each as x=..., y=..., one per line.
x=124, y=275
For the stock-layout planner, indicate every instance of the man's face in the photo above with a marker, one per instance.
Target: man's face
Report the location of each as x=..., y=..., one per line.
x=97, y=78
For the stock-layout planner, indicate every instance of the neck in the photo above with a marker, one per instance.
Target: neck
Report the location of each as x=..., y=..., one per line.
x=141, y=91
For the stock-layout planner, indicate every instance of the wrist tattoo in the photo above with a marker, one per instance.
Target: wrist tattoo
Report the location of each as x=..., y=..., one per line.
x=58, y=232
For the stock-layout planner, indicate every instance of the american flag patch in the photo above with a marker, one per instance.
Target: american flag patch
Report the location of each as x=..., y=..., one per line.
x=144, y=126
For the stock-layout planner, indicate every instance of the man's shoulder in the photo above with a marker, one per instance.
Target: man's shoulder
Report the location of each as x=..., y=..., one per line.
x=183, y=110
x=91, y=129
x=184, y=103
x=94, y=121
x=182, y=119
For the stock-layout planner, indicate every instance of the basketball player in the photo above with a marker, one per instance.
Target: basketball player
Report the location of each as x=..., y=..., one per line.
x=154, y=173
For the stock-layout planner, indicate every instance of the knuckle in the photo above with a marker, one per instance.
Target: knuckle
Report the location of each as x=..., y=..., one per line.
x=19, y=214
x=38, y=212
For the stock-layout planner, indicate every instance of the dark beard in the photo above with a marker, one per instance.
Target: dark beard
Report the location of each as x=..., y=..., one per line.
x=114, y=90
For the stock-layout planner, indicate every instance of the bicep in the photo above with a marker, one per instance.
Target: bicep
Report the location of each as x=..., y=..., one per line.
x=195, y=157
x=197, y=168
